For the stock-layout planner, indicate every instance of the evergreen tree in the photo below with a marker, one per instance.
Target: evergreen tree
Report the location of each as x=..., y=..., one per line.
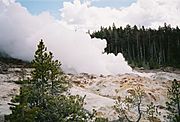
x=173, y=105
x=41, y=99
x=131, y=102
x=47, y=73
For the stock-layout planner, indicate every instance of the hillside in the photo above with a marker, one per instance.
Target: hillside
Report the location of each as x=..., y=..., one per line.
x=7, y=61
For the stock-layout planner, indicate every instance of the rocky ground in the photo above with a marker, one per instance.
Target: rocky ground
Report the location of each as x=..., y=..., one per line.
x=101, y=91
x=8, y=89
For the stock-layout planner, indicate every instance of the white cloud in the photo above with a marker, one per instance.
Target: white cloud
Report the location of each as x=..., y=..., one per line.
x=7, y=2
x=20, y=32
x=150, y=13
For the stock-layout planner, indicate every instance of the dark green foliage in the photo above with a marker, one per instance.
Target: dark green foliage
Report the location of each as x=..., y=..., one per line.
x=47, y=75
x=100, y=119
x=21, y=111
x=173, y=105
x=41, y=99
x=65, y=109
x=142, y=47
x=152, y=112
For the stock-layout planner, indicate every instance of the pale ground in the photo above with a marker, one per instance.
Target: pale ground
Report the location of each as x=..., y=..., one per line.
x=101, y=91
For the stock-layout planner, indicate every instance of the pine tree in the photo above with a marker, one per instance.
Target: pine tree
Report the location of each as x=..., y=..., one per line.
x=134, y=100
x=41, y=99
x=47, y=73
x=173, y=105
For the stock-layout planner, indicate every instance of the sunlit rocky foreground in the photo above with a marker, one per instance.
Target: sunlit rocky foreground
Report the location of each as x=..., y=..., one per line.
x=101, y=91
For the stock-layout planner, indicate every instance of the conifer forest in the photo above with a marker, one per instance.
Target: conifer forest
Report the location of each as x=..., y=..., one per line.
x=143, y=47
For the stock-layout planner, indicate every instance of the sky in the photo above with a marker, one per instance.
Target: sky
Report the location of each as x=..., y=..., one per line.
x=53, y=6
x=91, y=14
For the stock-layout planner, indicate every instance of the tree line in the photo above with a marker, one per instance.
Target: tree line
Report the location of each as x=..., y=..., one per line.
x=143, y=47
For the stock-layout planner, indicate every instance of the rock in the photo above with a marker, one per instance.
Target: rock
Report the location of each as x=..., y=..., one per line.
x=77, y=82
x=154, y=119
x=82, y=86
x=131, y=91
x=3, y=68
x=152, y=96
x=1, y=118
x=168, y=69
x=99, y=114
x=161, y=107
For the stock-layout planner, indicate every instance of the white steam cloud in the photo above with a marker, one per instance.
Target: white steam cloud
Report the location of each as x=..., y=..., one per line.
x=20, y=32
